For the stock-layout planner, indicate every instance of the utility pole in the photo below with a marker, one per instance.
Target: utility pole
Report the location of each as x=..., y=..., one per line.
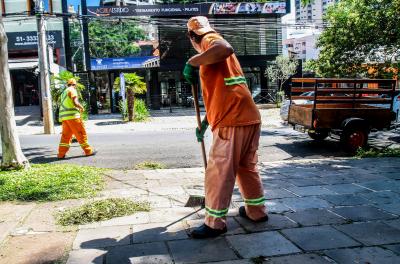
x=44, y=70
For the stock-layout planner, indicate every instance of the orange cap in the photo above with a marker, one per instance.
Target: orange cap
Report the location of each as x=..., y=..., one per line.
x=199, y=25
x=71, y=81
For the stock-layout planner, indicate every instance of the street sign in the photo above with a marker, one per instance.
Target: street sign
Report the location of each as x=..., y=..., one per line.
x=104, y=64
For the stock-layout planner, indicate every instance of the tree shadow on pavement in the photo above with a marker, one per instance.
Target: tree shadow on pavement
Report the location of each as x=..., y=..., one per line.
x=145, y=246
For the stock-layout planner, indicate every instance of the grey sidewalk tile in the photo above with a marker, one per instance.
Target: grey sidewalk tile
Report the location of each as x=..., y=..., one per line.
x=275, y=222
x=262, y=244
x=164, y=191
x=380, y=185
x=319, y=237
x=149, y=253
x=372, y=255
x=310, y=190
x=311, y=217
x=395, y=248
x=102, y=237
x=303, y=203
x=86, y=256
x=278, y=193
x=382, y=197
x=390, y=208
x=345, y=199
x=156, y=232
x=276, y=206
x=137, y=218
x=362, y=213
x=299, y=259
x=305, y=182
x=239, y=261
x=371, y=234
x=393, y=223
x=348, y=188
x=336, y=179
x=275, y=184
x=172, y=214
x=122, y=193
x=205, y=250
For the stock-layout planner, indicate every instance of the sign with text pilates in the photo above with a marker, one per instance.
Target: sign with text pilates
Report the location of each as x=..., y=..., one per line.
x=205, y=9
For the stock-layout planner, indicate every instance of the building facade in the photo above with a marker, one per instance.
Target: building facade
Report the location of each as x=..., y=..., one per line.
x=313, y=12
x=253, y=29
x=302, y=47
x=21, y=29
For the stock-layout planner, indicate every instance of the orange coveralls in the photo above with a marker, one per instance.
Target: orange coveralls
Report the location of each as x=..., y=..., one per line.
x=235, y=122
x=72, y=124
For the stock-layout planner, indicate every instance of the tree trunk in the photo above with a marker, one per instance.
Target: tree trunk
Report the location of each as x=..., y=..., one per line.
x=13, y=158
x=131, y=105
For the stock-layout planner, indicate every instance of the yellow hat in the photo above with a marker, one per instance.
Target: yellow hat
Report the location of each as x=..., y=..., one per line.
x=71, y=81
x=199, y=25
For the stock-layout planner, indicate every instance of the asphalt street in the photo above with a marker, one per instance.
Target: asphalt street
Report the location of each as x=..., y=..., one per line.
x=174, y=148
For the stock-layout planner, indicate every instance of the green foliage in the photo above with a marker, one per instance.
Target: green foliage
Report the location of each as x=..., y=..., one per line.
x=282, y=69
x=59, y=82
x=114, y=38
x=48, y=182
x=149, y=165
x=375, y=153
x=141, y=111
x=100, y=210
x=133, y=82
x=123, y=109
x=360, y=33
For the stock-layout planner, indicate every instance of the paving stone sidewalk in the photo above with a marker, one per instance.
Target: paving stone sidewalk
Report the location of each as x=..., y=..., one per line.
x=321, y=211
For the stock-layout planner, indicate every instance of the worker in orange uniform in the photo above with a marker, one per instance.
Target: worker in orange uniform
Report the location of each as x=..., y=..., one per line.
x=72, y=124
x=235, y=122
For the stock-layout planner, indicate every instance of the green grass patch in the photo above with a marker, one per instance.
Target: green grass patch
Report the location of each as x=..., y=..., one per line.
x=50, y=182
x=100, y=210
x=376, y=153
x=149, y=165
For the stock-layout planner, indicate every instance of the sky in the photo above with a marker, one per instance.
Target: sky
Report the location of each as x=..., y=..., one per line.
x=78, y=2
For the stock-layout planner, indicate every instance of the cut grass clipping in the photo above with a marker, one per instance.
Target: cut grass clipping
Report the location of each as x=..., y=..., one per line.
x=48, y=182
x=100, y=210
x=376, y=153
x=149, y=165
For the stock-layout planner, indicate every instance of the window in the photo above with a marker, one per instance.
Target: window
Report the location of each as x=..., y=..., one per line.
x=25, y=6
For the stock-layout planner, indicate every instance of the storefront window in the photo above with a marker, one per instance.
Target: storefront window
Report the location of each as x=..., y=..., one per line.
x=103, y=92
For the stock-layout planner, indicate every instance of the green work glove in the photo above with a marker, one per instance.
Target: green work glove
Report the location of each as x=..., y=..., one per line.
x=200, y=132
x=190, y=74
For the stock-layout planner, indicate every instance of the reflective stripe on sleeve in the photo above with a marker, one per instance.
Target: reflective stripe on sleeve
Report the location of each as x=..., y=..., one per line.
x=235, y=80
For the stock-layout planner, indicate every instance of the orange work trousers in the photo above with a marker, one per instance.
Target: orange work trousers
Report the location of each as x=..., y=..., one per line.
x=73, y=127
x=233, y=156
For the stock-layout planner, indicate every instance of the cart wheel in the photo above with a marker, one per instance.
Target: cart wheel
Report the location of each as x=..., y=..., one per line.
x=318, y=135
x=354, y=138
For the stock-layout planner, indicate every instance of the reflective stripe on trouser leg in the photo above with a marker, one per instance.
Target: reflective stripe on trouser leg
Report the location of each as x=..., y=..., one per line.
x=79, y=131
x=65, y=140
x=248, y=177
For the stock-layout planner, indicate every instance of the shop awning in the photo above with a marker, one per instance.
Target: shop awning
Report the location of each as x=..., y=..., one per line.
x=23, y=64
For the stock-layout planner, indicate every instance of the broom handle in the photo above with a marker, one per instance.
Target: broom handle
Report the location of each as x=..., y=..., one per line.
x=196, y=106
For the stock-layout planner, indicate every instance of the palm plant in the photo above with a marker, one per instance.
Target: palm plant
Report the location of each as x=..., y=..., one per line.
x=134, y=85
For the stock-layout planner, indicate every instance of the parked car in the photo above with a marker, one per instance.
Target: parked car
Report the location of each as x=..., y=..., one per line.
x=190, y=100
